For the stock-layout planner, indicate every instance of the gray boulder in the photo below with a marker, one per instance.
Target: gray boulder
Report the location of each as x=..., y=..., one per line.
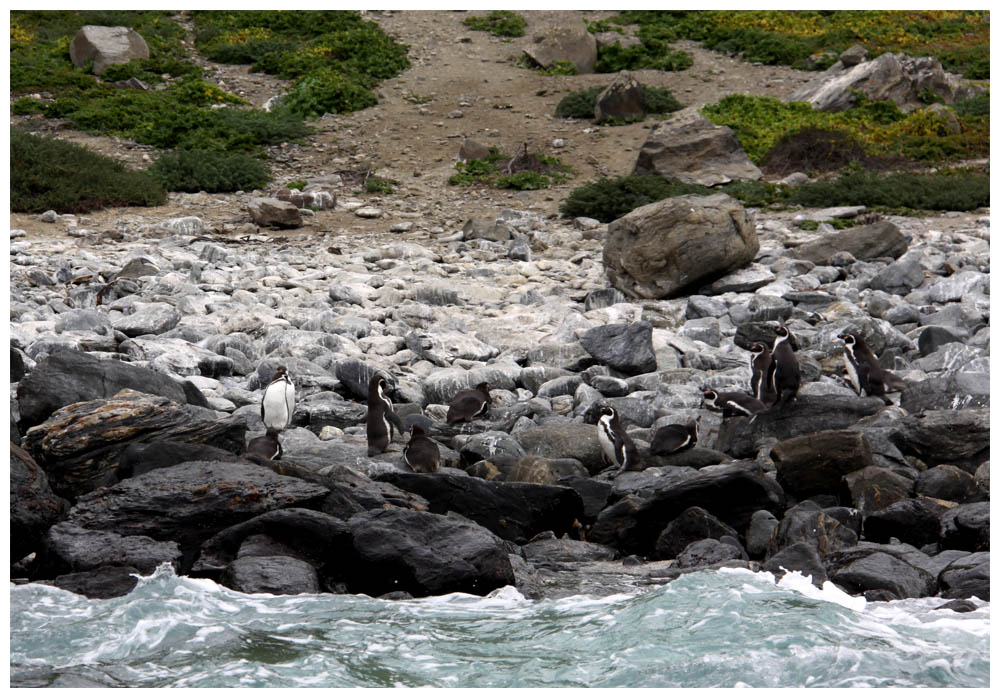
x=658, y=249
x=272, y=574
x=150, y=318
x=626, y=348
x=966, y=577
x=897, y=77
x=68, y=548
x=879, y=575
x=106, y=46
x=565, y=42
x=688, y=147
x=815, y=463
x=574, y=440
x=624, y=98
x=33, y=505
x=879, y=239
x=274, y=212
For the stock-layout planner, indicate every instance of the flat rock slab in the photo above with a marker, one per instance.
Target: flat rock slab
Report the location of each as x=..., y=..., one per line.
x=881, y=239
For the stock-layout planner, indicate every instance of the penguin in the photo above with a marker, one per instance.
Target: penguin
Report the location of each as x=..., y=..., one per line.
x=733, y=404
x=760, y=361
x=615, y=442
x=469, y=404
x=278, y=402
x=783, y=372
x=421, y=453
x=382, y=421
x=266, y=446
x=674, y=438
x=864, y=371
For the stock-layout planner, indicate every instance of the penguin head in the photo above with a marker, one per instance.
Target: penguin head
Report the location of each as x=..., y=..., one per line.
x=710, y=397
x=484, y=388
x=849, y=339
x=279, y=373
x=606, y=411
x=782, y=334
x=757, y=349
x=416, y=431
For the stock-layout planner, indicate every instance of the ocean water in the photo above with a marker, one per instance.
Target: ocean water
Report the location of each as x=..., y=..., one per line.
x=728, y=628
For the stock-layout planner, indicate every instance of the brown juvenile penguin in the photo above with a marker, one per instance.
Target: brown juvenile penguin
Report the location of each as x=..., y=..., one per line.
x=421, y=453
x=469, y=404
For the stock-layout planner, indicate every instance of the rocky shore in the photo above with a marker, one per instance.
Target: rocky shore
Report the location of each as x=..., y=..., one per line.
x=138, y=362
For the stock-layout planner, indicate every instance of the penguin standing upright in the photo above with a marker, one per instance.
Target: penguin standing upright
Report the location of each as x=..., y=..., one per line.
x=733, y=404
x=266, y=446
x=421, y=453
x=469, y=404
x=864, y=371
x=760, y=362
x=382, y=419
x=674, y=438
x=783, y=372
x=616, y=444
x=278, y=402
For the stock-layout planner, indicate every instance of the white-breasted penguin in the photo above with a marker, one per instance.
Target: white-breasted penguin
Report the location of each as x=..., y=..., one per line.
x=733, y=404
x=616, y=444
x=278, y=402
x=783, y=372
x=864, y=371
x=382, y=419
x=674, y=438
x=469, y=404
x=421, y=453
x=266, y=446
x=760, y=362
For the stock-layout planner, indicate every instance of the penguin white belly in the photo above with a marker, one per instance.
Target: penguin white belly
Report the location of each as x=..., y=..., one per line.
x=276, y=408
x=607, y=443
x=852, y=374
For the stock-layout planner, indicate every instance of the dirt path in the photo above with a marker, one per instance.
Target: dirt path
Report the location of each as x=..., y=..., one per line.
x=462, y=83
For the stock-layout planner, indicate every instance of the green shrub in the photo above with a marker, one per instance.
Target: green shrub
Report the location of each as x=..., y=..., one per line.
x=608, y=199
x=211, y=171
x=46, y=173
x=525, y=171
x=977, y=106
x=299, y=184
x=380, y=185
x=498, y=23
x=660, y=100
x=949, y=191
x=327, y=91
x=151, y=71
x=27, y=105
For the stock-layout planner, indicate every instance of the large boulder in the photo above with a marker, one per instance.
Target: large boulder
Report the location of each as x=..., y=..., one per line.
x=271, y=574
x=568, y=42
x=958, y=390
x=106, y=46
x=956, y=437
x=868, y=570
x=33, y=505
x=897, y=77
x=625, y=348
x=879, y=239
x=191, y=502
x=70, y=376
x=515, y=511
x=425, y=554
x=274, y=212
x=67, y=548
x=661, y=248
x=814, y=463
x=573, y=440
x=688, y=147
x=624, y=98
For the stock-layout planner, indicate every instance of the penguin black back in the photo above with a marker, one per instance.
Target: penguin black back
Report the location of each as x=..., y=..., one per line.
x=617, y=445
x=674, y=438
x=381, y=419
x=469, y=404
x=733, y=403
x=760, y=364
x=266, y=446
x=864, y=370
x=421, y=453
x=783, y=371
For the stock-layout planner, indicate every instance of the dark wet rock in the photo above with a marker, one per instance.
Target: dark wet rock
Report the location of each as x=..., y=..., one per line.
x=554, y=549
x=67, y=548
x=692, y=525
x=806, y=414
x=950, y=483
x=659, y=249
x=100, y=583
x=34, y=507
x=271, y=575
x=573, y=440
x=864, y=242
x=956, y=437
x=873, y=488
x=696, y=458
x=707, y=552
x=958, y=606
x=953, y=391
x=966, y=527
x=425, y=554
x=799, y=557
x=616, y=524
x=191, y=502
x=915, y=521
x=71, y=376
x=967, y=577
x=869, y=569
x=686, y=146
x=815, y=463
x=808, y=523
x=17, y=367
x=80, y=445
x=515, y=511
x=625, y=348
x=593, y=493
x=142, y=457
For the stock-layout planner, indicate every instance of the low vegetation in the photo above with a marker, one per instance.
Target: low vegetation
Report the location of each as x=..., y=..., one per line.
x=954, y=190
x=211, y=171
x=50, y=174
x=580, y=104
x=523, y=171
x=498, y=23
